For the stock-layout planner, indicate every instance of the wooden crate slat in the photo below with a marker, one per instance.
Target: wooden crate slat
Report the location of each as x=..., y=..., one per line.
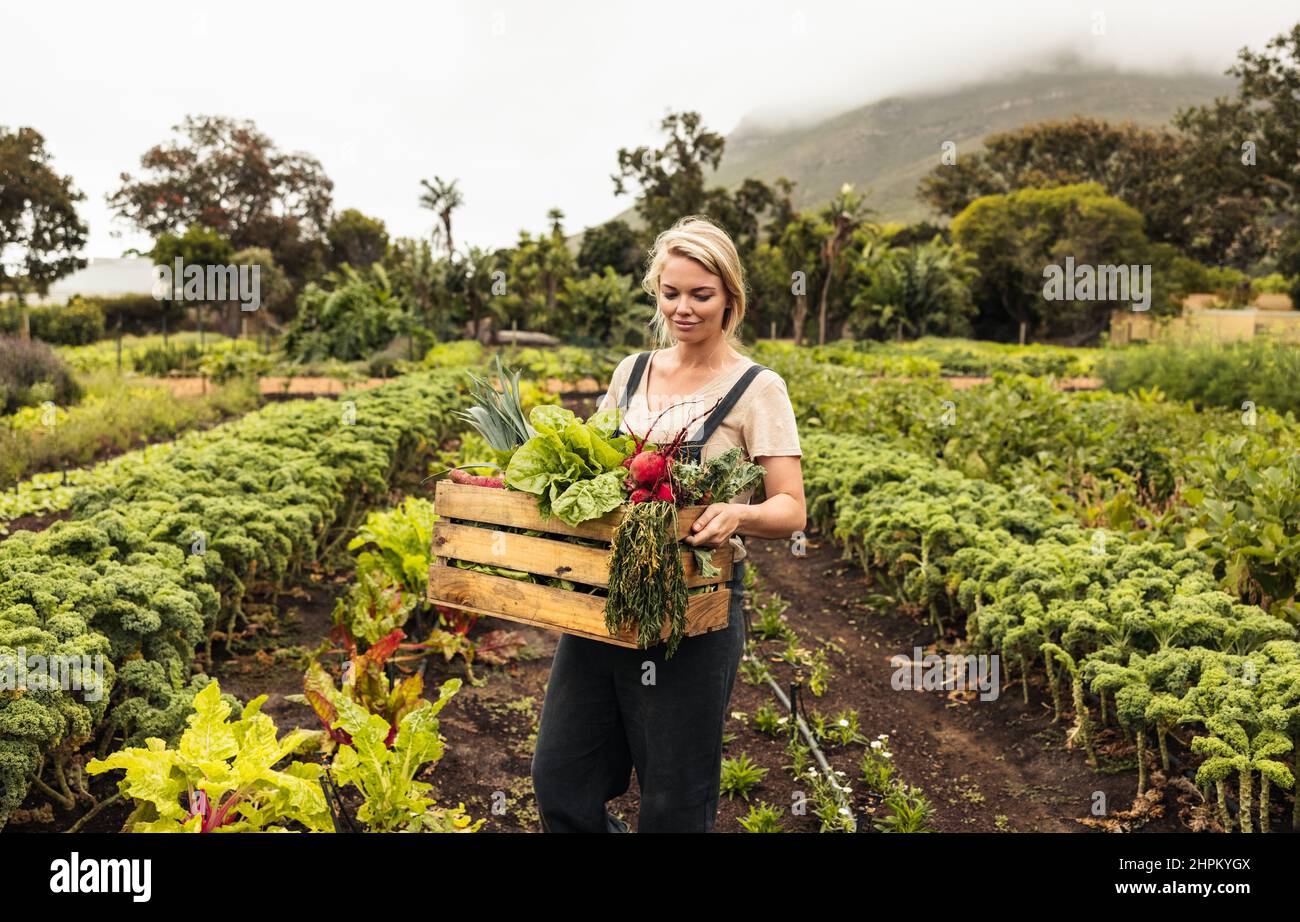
x=550, y=557
x=555, y=609
x=519, y=510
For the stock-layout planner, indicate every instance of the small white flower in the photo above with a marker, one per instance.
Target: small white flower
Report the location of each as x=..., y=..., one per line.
x=783, y=720
x=887, y=755
x=844, y=811
x=875, y=744
x=844, y=721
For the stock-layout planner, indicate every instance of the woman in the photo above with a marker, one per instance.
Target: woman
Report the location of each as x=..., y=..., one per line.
x=610, y=709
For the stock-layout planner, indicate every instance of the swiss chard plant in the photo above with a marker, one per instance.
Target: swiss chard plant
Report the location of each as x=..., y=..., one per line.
x=394, y=800
x=223, y=776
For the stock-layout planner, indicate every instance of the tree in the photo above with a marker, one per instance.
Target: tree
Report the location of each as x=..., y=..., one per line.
x=225, y=175
x=442, y=198
x=198, y=246
x=800, y=245
x=1144, y=167
x=613, y=244
x=741, y=213
x=840, y=219
x=360, y=316
x=671, y=177
x=1248, y=152
x=277, y=290
x=918, y=290
x=356, y=239
x=1013, y=238
x=418, y=279
x=604, y=308
x=40, y=232
x=484, y=286
x=536, y=270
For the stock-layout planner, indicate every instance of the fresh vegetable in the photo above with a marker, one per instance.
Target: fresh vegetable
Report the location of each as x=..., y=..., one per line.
x=366, y=682
x=385, y=769
x=647, y=583
x=498, y=417
x=648, y=468
x=222, y=776
x=716, y=480
x=475, y=480
x=574, y=468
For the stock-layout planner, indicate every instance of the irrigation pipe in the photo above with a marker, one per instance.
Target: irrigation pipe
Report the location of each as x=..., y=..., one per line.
x=841, y=793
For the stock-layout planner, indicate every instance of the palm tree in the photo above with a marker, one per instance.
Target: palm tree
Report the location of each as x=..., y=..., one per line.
x=842, y=217
x=442, y=198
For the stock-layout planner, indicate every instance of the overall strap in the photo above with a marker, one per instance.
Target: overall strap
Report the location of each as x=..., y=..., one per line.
x=634, y=378
x=696, y=444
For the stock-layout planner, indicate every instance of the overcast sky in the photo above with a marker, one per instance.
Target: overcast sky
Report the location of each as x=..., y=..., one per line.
x=526, y=103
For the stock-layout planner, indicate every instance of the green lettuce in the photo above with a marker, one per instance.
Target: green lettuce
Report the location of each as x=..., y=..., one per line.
x=574, y=468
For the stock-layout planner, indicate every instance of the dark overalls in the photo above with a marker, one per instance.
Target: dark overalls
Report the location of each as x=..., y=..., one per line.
x=610, y=708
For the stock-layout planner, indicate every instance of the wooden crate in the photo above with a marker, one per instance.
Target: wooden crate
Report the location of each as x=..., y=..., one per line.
x=460, y=533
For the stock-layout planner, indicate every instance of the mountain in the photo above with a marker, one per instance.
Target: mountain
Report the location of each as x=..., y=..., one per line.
x=888, y=145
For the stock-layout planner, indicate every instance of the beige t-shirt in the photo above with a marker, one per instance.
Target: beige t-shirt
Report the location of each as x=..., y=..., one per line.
x=761, y=423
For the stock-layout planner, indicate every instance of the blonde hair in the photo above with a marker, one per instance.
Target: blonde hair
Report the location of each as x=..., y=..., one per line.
x=698, y=238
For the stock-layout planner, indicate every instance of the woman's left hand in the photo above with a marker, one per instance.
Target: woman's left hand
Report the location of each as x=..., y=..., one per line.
x=717, y=523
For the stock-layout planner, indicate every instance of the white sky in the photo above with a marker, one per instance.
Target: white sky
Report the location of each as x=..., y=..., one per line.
x=526, y=103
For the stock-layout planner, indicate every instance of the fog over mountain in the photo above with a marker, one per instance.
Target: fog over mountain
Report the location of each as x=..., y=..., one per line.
x=528, y=108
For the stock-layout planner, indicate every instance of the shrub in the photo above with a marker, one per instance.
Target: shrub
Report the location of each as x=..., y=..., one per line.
x=31, y=372
x=73, y=324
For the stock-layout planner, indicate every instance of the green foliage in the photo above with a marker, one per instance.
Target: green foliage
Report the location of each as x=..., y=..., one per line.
x=464, y=353
x=375, y=605
x=225, y=770
x=398, y=541
x=911, y=291
x=1261, y=370
x=161, y=545
x=356, y=239
x=647, y=582
x=30, y=373
x=767, y=719
x=910, y=811
x=359, y=316
x=1243, y=511
x=762, y=817
x=573, y=467
x=386, y=776
x=115, y=414
x=740, y=776
x=1013, y=237
x=73, y=324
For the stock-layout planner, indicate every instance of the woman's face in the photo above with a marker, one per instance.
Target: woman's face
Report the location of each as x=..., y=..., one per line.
x=692, y=299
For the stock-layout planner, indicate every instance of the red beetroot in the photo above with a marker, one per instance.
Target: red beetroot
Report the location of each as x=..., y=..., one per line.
x=640, y=495
x=649, y=467
x=665, y=492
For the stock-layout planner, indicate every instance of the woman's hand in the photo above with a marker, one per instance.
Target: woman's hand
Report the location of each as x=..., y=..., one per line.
x=717, y=523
